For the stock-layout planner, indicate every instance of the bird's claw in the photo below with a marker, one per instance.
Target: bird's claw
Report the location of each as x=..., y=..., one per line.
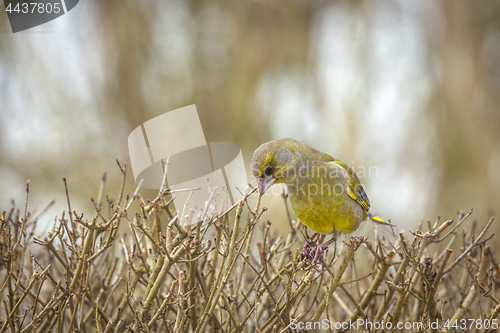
x=305, y=251
x=309, y=243
x=316, y=253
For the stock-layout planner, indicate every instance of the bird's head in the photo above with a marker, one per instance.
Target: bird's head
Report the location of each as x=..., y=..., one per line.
x=275, y=162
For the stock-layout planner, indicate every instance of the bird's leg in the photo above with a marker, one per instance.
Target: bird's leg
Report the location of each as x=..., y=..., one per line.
x=307, y=245
x=318, y=250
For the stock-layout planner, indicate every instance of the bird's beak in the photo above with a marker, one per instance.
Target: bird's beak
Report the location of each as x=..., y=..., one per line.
x=265, y=183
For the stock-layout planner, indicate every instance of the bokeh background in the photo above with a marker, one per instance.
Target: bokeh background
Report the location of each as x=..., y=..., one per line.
x=409, y=89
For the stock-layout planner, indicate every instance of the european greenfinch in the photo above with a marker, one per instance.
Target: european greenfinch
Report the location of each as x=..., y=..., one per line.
x=324, y=192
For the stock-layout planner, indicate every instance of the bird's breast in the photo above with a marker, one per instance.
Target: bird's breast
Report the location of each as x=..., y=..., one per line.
x=323, y=205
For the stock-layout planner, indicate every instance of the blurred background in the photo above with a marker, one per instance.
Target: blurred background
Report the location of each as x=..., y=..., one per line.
x=406, y=90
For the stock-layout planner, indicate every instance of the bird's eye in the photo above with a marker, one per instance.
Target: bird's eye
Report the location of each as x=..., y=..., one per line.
x=269, y=170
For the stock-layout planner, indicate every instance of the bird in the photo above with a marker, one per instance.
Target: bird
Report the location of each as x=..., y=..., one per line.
x=324, y=192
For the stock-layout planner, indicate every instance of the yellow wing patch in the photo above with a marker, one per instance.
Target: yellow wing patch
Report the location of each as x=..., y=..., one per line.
x=359, y=195
x=378, y=219
x=355, y=190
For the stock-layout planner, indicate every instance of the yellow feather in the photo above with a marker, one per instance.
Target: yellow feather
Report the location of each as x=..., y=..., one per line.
x=379, y=220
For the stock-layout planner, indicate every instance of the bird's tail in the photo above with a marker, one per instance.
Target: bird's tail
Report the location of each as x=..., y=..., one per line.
x=378, y=220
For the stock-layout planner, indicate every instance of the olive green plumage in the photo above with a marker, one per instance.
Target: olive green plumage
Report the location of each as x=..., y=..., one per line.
x=324, y=192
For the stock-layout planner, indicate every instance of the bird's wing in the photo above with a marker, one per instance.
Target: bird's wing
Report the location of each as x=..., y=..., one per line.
x=355, y=189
